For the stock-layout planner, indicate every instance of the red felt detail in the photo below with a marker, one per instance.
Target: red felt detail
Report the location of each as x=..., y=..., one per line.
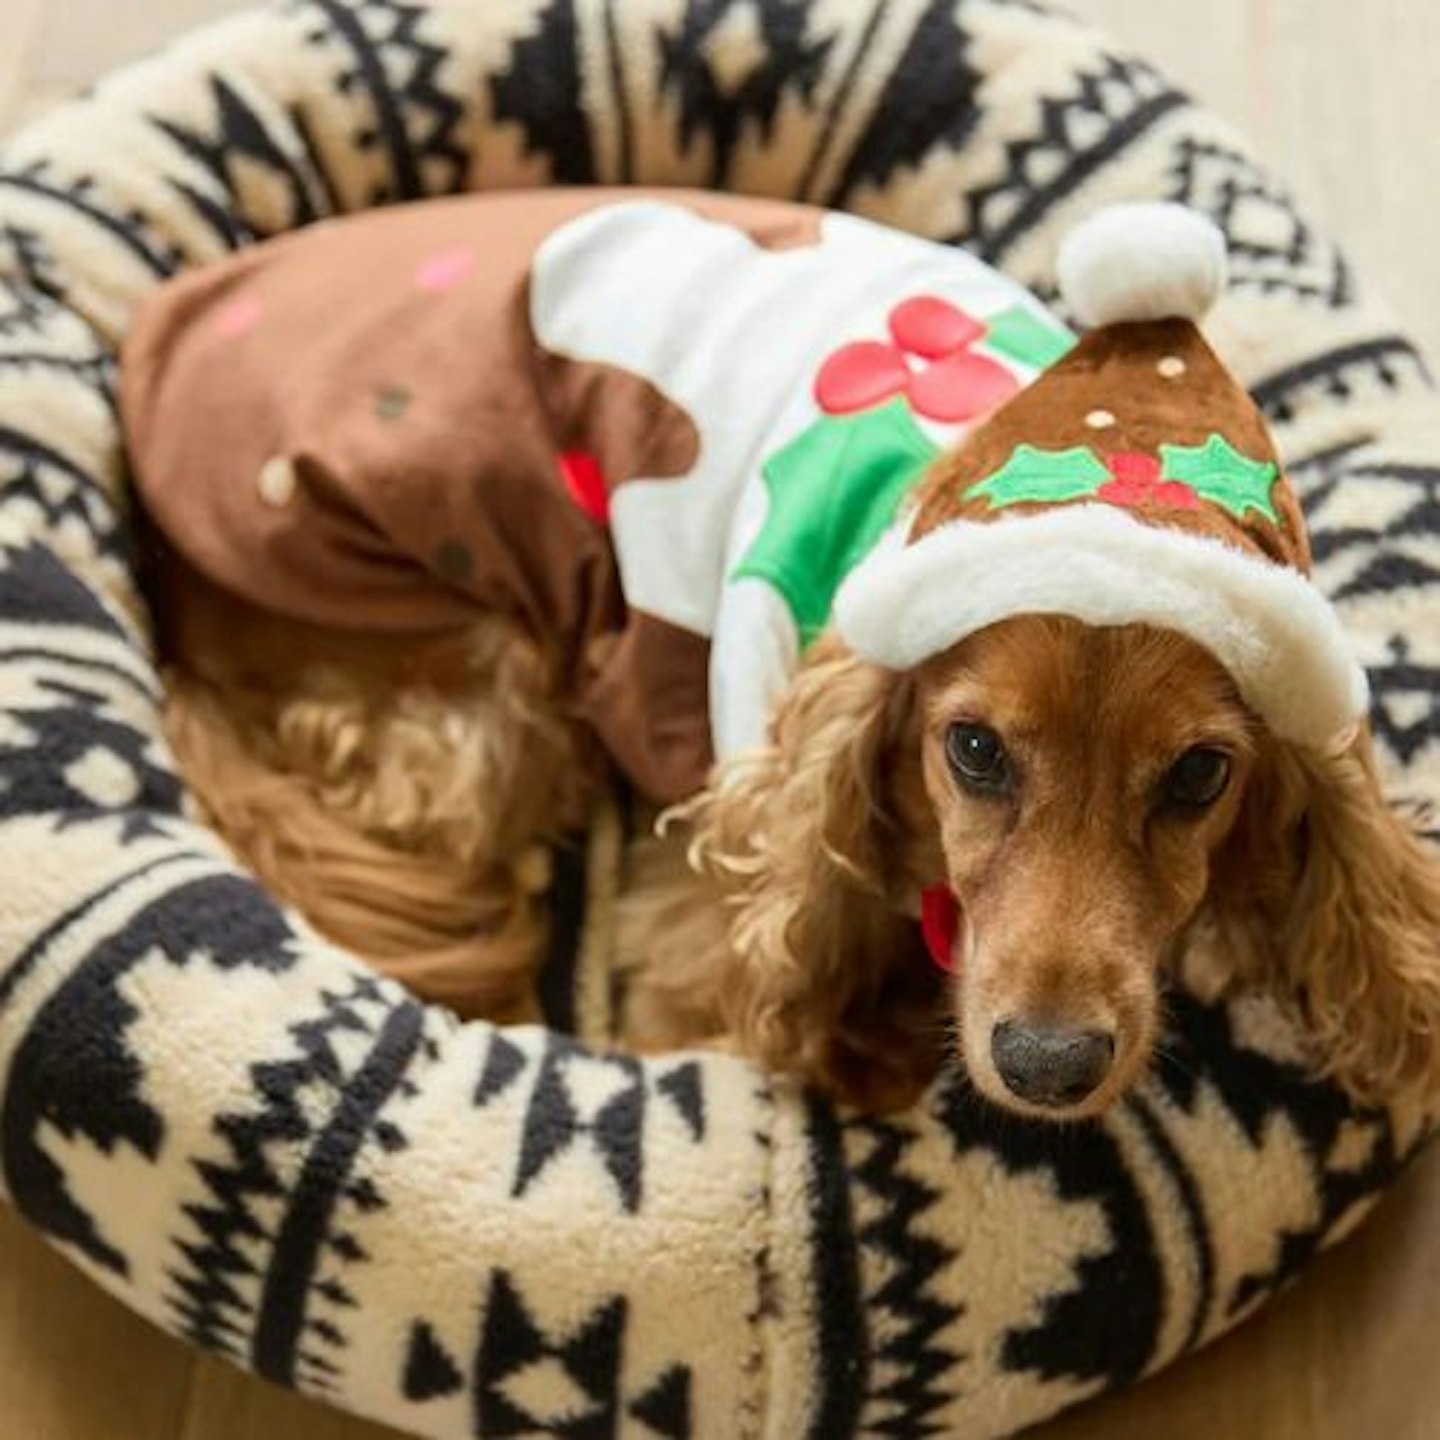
x=1137, y=482
x=860, y=375
x=929, y=326
x=940, y=924
x=585, y=480
x=960, y=387
x=1134, y=467
x=1171, y=494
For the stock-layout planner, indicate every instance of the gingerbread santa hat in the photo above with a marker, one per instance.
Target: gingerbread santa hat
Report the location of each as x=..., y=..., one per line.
x=1134, y=481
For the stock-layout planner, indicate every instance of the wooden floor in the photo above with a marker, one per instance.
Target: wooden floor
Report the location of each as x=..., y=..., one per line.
x=1345, y=99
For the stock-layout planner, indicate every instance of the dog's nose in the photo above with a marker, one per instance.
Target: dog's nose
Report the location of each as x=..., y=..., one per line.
x=1050, y=1067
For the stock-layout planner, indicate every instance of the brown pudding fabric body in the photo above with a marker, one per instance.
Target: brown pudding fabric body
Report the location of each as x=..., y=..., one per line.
x=414, y=436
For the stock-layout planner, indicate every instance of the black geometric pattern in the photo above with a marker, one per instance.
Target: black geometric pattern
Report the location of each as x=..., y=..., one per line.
x=1405, y=709
x=254, y=185
x=912, y=1373
x=1271, y=247
x=285, y=1314
x=596, y=1104
x=1108, y=107
x=555, y=1122
x=1258, y=1091
x=44, y=489
x=81, y=197
x=36, y=589
x=539, y=90
x=1398, y=564
x=37, y=333
x=23, y=307
x=511, y=1342
x=1391, y=551
x=429, y=1370
x=273, y=1249
x=413, y=120
x=936, y=106
x=75, y=763
x=725, y=106
x=1083, y=1335
x=584, y=1364
x=23, y=256
x=1350, y=374
x=98, y=1092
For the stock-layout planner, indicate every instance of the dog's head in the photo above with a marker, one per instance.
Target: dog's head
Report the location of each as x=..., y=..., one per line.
x=1082, y=781
x=1094, y=797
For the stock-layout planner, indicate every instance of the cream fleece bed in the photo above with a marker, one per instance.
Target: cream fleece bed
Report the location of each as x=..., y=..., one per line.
x=470, y=1232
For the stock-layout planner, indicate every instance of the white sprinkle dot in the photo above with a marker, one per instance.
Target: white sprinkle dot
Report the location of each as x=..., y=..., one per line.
x=1172, y=367
x=276, y=482
x=1099, y=419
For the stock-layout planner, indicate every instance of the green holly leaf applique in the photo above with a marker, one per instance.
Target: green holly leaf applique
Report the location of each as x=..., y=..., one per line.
x=1042, y=477
x=1022, y=335
x=1218, y=472
x=834, y=490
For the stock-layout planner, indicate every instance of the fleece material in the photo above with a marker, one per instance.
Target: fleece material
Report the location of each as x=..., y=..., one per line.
x=466, y=1231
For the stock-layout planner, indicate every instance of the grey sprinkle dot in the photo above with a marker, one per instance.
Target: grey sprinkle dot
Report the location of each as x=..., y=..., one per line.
x=454, y=562
x=392, y=402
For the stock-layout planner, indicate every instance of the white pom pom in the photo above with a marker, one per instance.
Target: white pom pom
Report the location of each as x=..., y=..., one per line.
x=1143, y=261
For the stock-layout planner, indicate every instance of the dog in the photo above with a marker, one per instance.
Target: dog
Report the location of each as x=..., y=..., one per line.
x=997, y=842
x=779, y=914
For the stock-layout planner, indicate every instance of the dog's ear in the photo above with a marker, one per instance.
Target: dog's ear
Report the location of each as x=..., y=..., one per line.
x=814, y=835
x=1344, y=917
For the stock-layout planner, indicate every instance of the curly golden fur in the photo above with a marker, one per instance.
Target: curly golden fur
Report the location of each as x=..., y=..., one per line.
x=400, y=796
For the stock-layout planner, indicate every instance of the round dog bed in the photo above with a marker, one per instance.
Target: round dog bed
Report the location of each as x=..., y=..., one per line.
x=468, y=1231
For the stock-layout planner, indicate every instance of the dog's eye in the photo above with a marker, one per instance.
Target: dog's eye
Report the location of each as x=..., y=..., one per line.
x=1197, y=779
x=977, y=757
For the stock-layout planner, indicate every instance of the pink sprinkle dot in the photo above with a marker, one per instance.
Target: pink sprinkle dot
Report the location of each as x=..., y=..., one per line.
x=444, y=269
x=238, y=316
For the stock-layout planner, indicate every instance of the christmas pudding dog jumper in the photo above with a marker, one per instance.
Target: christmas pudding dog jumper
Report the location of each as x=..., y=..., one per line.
x=659, y=428
x=672, y=432
x=1135, y=481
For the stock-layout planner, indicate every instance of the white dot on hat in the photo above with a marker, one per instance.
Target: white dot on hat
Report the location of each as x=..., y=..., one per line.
x=1171, y=367
x=1099, y=419
x=276, y=482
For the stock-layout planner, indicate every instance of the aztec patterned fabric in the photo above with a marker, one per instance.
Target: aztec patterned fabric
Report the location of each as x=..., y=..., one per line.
x=468, y=1232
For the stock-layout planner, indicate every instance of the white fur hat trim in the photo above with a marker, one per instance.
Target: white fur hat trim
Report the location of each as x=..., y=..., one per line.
x=1271, y=629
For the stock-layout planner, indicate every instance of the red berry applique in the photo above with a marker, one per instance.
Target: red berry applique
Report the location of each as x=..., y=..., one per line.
x=930, y=361
x=931, y=327
x=860, y=375
x=1138, y=482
